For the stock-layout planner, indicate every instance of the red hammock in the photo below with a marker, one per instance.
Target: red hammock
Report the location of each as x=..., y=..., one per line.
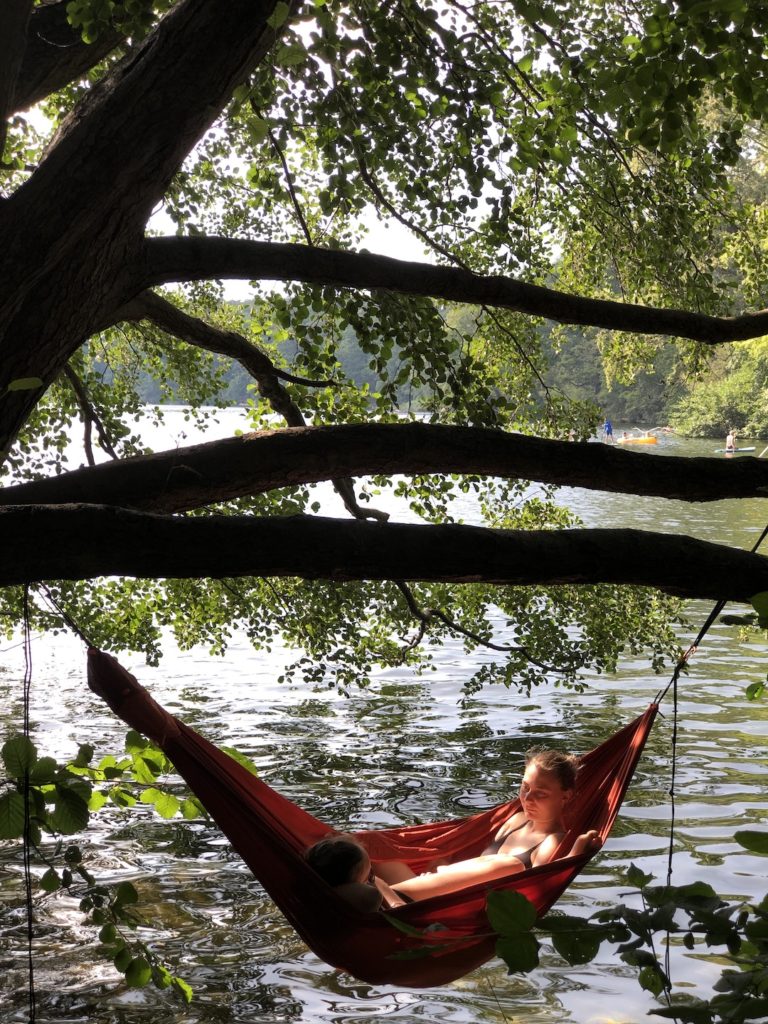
x=271, y=834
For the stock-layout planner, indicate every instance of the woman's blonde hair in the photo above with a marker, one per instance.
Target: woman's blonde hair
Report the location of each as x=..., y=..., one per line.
x=564, y=766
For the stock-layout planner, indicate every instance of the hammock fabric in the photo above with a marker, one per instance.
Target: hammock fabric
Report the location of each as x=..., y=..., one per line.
x=439, y=939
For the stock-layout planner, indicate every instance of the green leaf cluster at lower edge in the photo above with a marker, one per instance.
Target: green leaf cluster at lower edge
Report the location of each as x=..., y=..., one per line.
x=692, y=915
x=43, y=801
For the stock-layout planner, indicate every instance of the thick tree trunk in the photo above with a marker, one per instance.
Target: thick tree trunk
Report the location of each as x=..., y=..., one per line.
x=188, y=478
x=83, y=541
x=70, y=236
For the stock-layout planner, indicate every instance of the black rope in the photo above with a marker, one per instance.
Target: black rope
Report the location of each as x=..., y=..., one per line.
x=682, y=661
x=48, y=596
x=27, y=843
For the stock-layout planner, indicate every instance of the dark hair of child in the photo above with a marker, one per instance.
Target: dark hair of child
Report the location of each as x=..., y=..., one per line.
x=335, y=859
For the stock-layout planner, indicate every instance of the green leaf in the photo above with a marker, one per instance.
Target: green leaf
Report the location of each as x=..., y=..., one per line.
x=755, y=691
x=70, y=811
x=161, y=976
x=577, y=947
x=25, y=384
x=11, y=816
x=519, y=952
x=43, y=771
x=135, y=742
x=144, y=769
x=510, y=913
x=50, y=881
x=96, y=801
x=184, y=990
x=108, y=934
x=686, y=1013
x=241, y=759
x=125, y=894
x=138, y=973
x=278, y=15
x=84, y=755
x=122, y=959
x=652, y=980
x=291, y=54
x=257, y=129
x=190, y=809
x=121, y=797
x=166, y=804
x=19, y=754
x=636, y=877
x=752, y=840
x=525, y=64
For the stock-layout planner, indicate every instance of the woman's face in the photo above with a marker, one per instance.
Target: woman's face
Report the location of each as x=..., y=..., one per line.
x=542, y=795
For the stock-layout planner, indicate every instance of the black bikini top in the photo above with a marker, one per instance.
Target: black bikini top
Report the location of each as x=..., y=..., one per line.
x=525, y=857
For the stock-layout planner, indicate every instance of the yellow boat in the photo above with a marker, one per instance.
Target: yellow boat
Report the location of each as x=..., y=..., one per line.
x=647, y=439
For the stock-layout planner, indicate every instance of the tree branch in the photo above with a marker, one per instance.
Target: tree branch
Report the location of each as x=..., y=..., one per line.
x=56, y=54
x=120, y=147
x=197, y=332
x=191, y=259
x=84, y=541
x=91, y=418
x=14, y=15
x=193, y=330
x=188, y=478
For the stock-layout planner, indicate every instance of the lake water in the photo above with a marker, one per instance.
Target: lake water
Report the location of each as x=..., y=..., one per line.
x=403, y=751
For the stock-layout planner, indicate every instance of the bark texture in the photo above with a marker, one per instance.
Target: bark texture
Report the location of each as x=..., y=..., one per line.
x=83, y=541
x=188, y=478
x=193, y=259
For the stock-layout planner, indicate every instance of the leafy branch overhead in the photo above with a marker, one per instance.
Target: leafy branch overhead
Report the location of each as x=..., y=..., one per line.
x=580, y=164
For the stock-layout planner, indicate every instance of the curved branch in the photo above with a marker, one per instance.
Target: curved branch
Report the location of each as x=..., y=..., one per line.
x=197, y=332
x=91, y=418
x=191, y=259
x=193, y=330
x=56, y=55
x=189, y=478
x=82, y=541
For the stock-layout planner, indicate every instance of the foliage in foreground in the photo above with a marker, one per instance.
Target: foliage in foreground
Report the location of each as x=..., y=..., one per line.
x=46, y=802
x=691, y=915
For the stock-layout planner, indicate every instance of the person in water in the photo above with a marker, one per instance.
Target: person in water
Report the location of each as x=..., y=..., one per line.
x=529, y=838
x=730, y=441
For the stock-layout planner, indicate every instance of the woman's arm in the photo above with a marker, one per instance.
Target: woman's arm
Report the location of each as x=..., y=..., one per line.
x=452, y=877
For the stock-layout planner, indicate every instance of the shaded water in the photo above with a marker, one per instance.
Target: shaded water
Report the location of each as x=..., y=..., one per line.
x=403, y=751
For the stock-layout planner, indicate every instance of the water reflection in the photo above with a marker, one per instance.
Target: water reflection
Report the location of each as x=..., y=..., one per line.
x=406, y=751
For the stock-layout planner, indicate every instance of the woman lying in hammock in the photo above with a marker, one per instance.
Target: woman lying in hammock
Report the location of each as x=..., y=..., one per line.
x=528, y=838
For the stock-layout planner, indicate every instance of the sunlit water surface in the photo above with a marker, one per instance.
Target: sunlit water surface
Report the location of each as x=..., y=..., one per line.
x=403, y=751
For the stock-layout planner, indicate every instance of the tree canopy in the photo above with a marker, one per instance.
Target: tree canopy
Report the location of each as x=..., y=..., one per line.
x=561, y=164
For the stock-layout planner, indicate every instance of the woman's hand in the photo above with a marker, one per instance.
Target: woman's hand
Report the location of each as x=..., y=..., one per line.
x=587, y=842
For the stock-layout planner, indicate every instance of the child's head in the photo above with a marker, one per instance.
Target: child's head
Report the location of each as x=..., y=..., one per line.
x=339, y=859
